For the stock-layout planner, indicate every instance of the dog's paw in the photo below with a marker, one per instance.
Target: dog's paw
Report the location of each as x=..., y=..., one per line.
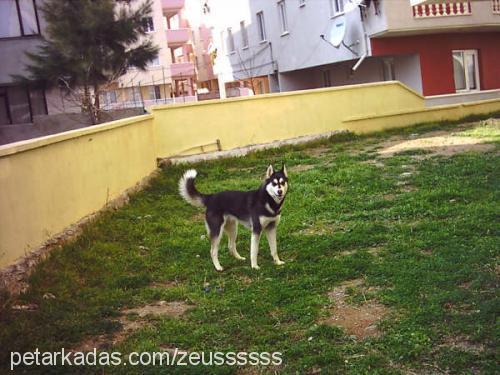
x=279, y=262
x=219, y=269
x=241, y=258
x=256, y=267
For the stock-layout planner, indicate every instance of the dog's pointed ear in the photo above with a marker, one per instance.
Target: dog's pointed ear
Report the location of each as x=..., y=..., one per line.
x=270, y=171
x=283, y=169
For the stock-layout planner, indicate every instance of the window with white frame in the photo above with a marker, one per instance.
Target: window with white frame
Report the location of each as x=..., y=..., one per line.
x=262, y=26
x=244, y=35
x=336, y=7
x=282, y=15
x=465, y=70
x=230, y=40
x=147, y=24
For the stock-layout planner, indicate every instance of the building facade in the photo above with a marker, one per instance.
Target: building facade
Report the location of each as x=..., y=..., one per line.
x=435, y=47
x=183, y=67
x=21, y=26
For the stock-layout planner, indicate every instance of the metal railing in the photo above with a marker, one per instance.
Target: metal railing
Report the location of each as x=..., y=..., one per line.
x=148, y=102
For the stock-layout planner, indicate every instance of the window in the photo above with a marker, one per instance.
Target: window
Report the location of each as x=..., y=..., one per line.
x=262, y=26
x=19, y=18
x=336, y=7
x=157, y=92
x=18, y=104
x=147, y=24
x=282, y=14
x=112, y=96
x=109, y=97
x=260, y=87
x=28, y=17
x=230, y=40
x=154, y=92
x=134, y=95
x=244, y=34
x=155, y=62
x=465, y=70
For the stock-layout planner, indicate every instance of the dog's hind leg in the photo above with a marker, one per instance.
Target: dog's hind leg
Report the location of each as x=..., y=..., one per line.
x=231, y=229
x=214, y=225
x=271, y=238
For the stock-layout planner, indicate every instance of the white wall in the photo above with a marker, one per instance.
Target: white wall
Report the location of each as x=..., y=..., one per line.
x=407, y=70
x=301, y=48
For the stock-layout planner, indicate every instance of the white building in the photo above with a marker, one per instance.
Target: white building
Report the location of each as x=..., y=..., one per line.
x=436, y=49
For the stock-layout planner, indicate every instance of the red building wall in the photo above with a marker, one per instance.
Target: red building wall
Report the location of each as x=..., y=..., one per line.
x=436, y=62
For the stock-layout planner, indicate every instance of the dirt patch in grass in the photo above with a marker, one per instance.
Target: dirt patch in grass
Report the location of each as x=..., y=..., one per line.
x=445, y=145
x=321, y=228
x=462, y=343
x=198, y=216
x=361, y=320
x=375, y=251
x=301, y=167
x=163, y=284
x=173, y=309
x=375, y=162
x=318, y=151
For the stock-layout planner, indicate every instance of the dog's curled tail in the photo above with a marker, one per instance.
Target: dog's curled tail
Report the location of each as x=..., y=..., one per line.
x=188, y=191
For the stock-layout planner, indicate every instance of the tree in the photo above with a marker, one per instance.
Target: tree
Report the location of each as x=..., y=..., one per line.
x=89, y=44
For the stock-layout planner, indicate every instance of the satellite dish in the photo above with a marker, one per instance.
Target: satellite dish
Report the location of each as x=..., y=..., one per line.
x=336, y=33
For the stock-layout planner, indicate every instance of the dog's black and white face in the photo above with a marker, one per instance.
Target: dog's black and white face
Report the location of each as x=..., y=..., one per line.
x=276, y=183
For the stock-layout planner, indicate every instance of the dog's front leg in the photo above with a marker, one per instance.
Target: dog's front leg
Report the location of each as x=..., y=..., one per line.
x=254, y=249
x=271, y=238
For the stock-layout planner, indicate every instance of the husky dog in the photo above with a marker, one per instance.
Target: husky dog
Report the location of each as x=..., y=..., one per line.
x=259, y=210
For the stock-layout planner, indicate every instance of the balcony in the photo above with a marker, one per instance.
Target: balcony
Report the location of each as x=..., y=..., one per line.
x=178, y=37
x=171, y=7
x=444, y=9
x=182, y=70
x=495, y=5
x=417, y=17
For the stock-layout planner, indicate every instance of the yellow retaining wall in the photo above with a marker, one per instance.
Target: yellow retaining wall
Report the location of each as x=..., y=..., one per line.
x=49, y=183
x=260, y=119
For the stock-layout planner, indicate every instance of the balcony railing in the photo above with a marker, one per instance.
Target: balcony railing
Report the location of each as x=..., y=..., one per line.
x=177, y=37
x=495, y=4
x=148, y=102
x=444, y=9
x=182, y=70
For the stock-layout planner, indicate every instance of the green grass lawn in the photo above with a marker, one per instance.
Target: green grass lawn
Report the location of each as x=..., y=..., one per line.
x=419, y=229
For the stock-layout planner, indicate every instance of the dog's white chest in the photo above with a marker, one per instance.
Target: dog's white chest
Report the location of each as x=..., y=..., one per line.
x=266, y=220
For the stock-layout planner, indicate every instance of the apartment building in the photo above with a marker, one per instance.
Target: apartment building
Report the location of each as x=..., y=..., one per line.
x=183, y=67
x=435, y=47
